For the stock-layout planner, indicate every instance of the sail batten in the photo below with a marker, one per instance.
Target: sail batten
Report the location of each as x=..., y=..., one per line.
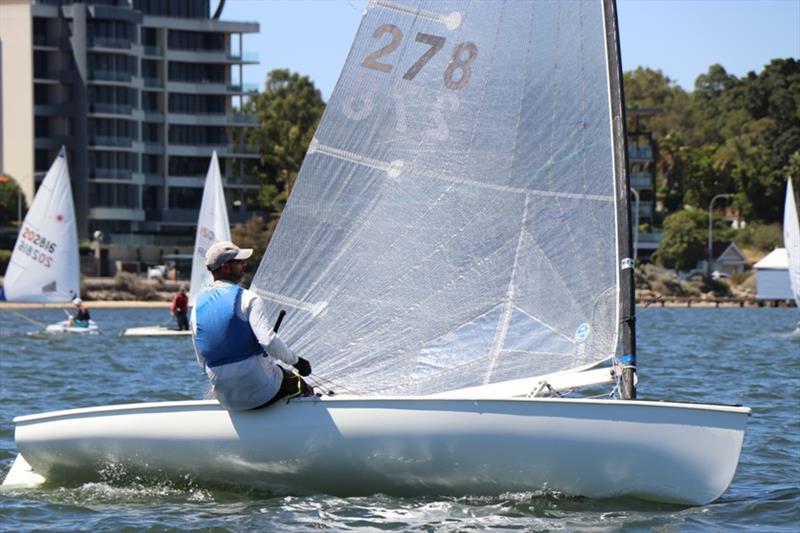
x=455, y=212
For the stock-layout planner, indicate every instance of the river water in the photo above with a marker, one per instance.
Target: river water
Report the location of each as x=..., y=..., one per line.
x=744, y=356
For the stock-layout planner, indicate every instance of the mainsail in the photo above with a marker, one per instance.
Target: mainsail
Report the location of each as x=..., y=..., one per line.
x=791, y=239
x=44, y=266
x=212, y=227
x=454, y=220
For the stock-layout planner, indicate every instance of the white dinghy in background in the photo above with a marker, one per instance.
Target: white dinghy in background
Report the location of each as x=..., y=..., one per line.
x=457, y=251
x=65, y=327
x=155, y=331
x=791, y=240
x=45, y=264
x=212, y=227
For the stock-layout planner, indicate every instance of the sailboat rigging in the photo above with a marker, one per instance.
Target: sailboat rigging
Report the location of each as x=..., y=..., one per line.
x=457, y=249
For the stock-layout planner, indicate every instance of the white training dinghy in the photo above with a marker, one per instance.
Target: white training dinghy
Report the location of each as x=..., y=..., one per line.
x=65, y=327
x=155, y=331
x=212, y=227
x=457, y=250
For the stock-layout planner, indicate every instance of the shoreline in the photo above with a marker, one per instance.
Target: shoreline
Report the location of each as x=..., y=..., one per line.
x=91, y=304
x=642, y=303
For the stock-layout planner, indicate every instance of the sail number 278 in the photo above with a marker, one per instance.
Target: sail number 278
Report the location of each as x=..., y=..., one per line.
x=458, y=69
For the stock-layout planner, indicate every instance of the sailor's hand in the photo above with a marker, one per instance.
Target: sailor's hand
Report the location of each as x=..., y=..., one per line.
x=303, y=367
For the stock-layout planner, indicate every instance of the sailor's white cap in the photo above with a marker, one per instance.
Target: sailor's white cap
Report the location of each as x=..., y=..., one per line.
x=222, y=252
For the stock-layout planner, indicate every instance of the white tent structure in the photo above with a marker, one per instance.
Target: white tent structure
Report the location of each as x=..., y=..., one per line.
x=772, y=276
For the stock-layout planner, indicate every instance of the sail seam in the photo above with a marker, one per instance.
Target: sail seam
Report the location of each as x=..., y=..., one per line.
x=505, y=317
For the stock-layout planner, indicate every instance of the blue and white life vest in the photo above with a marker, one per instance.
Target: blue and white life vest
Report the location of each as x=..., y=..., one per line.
x=222, y=337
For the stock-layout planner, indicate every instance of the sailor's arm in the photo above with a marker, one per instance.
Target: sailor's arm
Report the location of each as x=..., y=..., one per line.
x=253, y=308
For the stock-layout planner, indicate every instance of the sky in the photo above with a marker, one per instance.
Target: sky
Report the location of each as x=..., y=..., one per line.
x=682, y=38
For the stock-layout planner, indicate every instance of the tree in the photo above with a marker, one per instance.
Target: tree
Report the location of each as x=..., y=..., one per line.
x=9, y=194
x=685, y=240
x=256, y=234
x=288, y=112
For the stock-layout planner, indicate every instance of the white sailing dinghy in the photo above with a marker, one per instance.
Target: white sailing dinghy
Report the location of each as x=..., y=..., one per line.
x=212, y=227
x=45, y=264
x=456, y=250
x=791, y=240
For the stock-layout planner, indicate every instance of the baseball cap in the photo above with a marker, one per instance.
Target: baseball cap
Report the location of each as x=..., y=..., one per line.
x=77, y=301
x=222, y=252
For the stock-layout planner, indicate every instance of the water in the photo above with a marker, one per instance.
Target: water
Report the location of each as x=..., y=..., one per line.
x=746, y=356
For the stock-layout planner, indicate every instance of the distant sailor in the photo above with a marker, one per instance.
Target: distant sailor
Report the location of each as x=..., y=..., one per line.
x=231, y=333
x=180, y=308
x=81, y=317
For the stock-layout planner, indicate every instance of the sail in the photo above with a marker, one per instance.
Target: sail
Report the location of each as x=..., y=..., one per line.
x=453, y=223
x=791, y=239
x=44, y=266
x=212, y=227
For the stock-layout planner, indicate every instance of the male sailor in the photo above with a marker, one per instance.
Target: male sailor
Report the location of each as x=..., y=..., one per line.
x=231, y=334
x=81, y=317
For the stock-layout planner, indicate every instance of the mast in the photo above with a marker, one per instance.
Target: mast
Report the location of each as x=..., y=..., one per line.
x=627, y=295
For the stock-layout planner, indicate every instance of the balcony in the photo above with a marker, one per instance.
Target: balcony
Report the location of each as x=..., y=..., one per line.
x=641, y=153
x=153, y=82
x=153, y=51
x=111, y=173
x=116, y=213
x=641, y=180
x=110, y=109
x=173, y=216
x=109, y=42
x=110, y=75
x=108, y=140
x=212, y=119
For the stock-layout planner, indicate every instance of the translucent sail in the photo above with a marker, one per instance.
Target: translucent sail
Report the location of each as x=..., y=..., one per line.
x=212, y=227
x=791, y=239
x=44, y=266
x=453, y=223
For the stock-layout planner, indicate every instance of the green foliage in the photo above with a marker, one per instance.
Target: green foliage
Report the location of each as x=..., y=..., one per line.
x=681, y=246
x=9, y=193
x=764, y=237
x=728, y=135
x=288, y=112
x=256, y=234
x=685, y=240
x=5, y=257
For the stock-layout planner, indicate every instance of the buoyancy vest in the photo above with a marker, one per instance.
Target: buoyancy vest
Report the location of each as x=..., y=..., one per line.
x=222, y=337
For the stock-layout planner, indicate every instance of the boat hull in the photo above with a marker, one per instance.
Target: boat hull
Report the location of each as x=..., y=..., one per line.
x=64, y=327
x=678, y=453
x=155, y=331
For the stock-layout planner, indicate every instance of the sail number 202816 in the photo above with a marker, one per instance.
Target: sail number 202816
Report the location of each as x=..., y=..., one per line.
x=458, y=70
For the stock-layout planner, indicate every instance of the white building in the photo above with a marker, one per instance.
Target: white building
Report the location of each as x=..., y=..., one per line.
x=772, y=276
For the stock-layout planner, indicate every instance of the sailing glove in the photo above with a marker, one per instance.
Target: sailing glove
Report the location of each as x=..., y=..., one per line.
x=303, y=367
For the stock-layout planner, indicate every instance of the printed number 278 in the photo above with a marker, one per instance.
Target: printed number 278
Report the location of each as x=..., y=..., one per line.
x=458, y=63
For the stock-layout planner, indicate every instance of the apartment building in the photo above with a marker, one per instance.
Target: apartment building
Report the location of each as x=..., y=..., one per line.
x=140, y=92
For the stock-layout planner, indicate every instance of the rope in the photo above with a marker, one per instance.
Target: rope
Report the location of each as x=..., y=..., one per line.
x=20, y=315
x=329, y=389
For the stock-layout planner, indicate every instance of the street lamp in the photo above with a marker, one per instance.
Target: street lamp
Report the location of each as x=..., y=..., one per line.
x=710, y=207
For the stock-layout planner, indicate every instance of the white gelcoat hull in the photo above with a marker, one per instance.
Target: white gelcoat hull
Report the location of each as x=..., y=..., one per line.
x=155, y=331
x=62, y=327
x=667, y=452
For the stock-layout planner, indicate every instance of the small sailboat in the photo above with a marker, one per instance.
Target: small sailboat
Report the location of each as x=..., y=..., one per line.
x=212, y=227
x=456, y=254
x=791, y=240
x=44, y=266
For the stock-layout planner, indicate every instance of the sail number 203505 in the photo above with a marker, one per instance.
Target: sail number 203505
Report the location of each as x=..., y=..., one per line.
x=457, y=73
